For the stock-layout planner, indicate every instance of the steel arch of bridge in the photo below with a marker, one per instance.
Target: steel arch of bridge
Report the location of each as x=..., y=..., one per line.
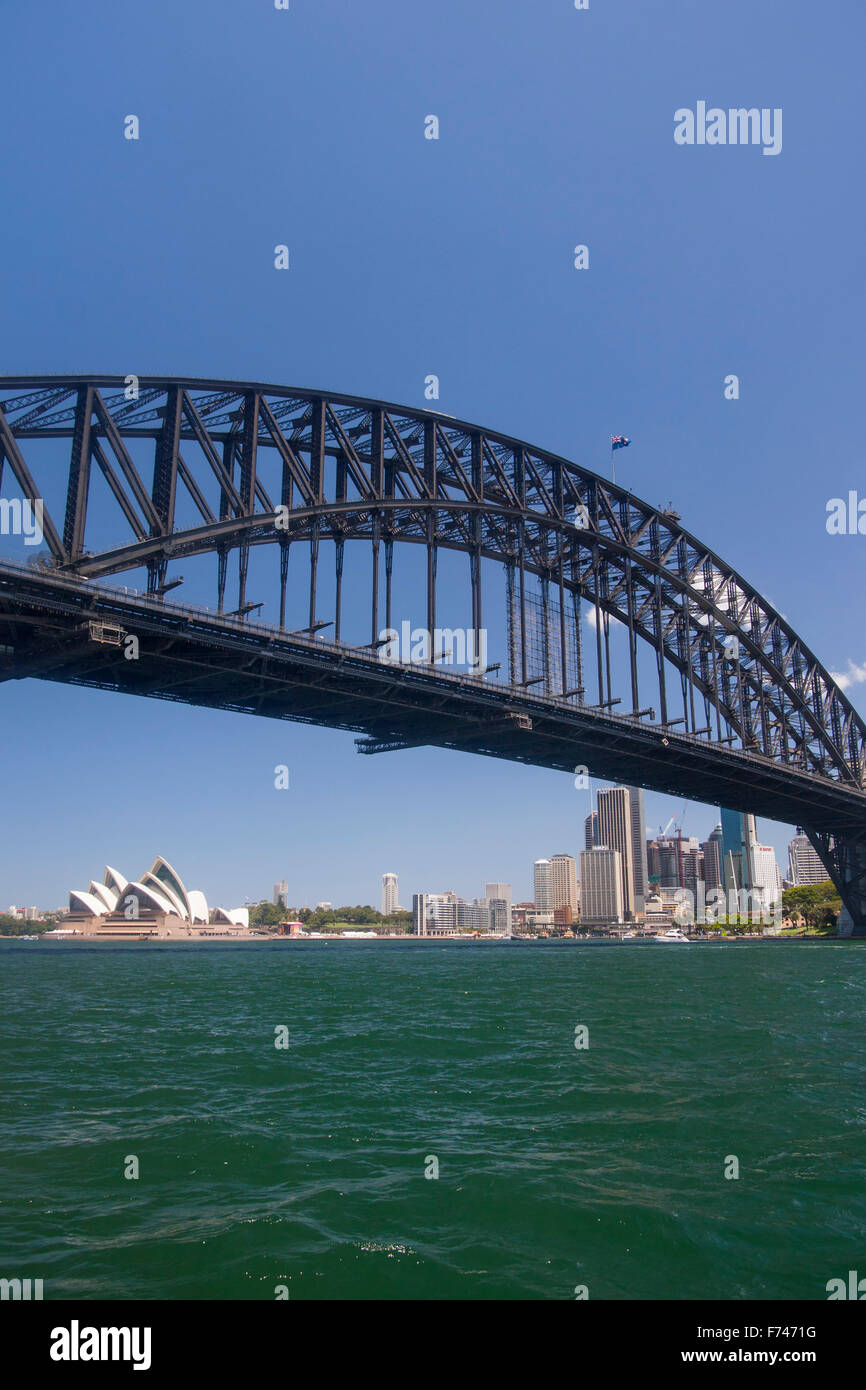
x=339, y=468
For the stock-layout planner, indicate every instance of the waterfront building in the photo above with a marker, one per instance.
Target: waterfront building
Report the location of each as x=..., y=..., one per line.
x=155, y=905
x=804, y=866
x=475, y=915
x=539, y=921
x=563, y=883
x=498, y=896
x=614, y=832
x=434, y=914
x=659, y=915
x=389, y=894
x=543, y=886
x=601, y=886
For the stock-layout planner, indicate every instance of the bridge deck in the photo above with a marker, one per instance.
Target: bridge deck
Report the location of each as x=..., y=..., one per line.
x=195, y=656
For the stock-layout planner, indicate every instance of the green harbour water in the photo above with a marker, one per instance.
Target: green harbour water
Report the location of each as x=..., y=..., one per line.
x=304, y=1167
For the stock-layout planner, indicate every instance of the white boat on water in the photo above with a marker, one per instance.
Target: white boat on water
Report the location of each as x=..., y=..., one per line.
x=673, y=934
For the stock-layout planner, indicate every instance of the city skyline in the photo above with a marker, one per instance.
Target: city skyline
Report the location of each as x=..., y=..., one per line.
x=305, y=889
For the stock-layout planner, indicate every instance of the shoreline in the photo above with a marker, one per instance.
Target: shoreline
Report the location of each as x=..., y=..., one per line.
x=410, y=940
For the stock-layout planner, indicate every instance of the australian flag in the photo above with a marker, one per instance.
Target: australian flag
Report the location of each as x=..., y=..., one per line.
x=619, y=441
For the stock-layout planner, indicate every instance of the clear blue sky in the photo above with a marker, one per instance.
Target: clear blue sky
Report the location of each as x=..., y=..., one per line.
x=412, y=257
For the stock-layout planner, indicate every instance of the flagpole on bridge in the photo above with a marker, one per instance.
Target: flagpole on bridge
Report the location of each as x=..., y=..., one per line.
x=617, y=441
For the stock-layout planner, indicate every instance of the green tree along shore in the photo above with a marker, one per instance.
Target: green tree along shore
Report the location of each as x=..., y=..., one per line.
x=14, y=926
x=818, y=904
x=266, y=914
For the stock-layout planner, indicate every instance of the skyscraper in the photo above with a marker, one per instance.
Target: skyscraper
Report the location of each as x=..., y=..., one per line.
x=281, y=894
x=804, y=866
x=614, y=832
x=543, y=885
x=713, y=867
x=389, y=894
x=590, y=830
x=563, y=882
x=766, y=875
x=638, y=841
x=601, y=886
x=739, y=838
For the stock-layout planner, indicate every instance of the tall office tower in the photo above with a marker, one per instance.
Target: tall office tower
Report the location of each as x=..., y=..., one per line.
x=543, y=886
x=638, y=840
x=499, y=897
x=739, y=838
x=766, y=877
x=804, y=866
x=712, y=863
x=281, y=894
x=614, y=832
x=601, y=886
x=563, y=881
x=590, y=830
x=693, y=869
x=389, y=894
x=713, y=860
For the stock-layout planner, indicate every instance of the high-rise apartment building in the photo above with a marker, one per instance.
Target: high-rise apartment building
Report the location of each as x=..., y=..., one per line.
x=389, y=894
x=614, y=832
x=804, y=866
x=432, y=912
x=601, y=886
x=543, y=885
x=475, y=915
x=563, y=882
x=281, y=894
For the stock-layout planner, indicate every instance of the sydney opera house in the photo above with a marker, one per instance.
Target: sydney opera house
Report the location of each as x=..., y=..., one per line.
x=157, y=905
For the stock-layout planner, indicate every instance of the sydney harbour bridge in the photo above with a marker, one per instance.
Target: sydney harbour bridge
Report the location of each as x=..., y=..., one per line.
x=626, y=645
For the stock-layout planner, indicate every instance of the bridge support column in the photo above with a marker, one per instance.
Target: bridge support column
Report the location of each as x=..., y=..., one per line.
x=844, y=857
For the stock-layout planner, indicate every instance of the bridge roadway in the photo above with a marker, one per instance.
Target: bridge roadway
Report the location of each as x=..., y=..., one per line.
x=195, y=656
